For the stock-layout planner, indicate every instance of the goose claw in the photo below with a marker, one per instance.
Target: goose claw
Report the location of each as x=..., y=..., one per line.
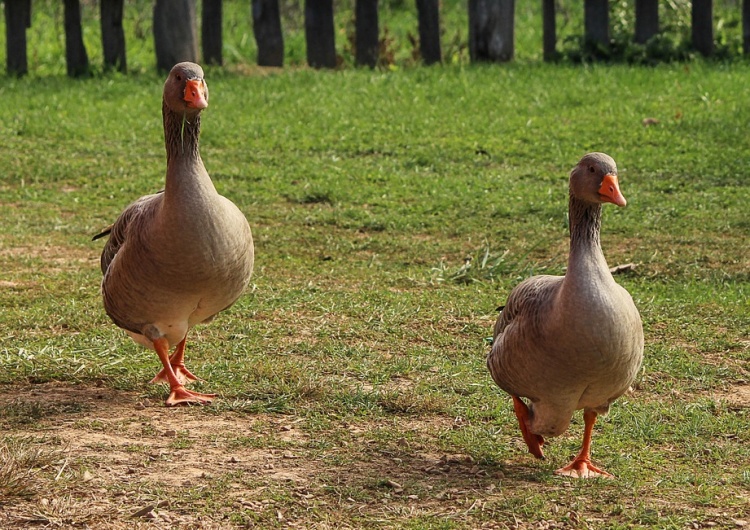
x=182, y=396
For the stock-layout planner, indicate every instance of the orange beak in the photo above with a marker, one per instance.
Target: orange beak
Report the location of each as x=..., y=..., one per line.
x=609, y=191
x=195, y=94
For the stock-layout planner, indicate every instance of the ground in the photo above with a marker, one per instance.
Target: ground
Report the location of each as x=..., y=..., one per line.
x=113, y=458
x=120, y=460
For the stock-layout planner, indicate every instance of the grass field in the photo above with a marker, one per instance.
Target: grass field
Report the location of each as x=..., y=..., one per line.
x=352, y=386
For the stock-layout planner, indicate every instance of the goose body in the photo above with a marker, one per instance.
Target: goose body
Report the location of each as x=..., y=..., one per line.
x=570, y=342
x=177, y=258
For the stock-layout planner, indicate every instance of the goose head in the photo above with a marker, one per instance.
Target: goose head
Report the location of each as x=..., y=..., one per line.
x=594, y=180
x=185, y=90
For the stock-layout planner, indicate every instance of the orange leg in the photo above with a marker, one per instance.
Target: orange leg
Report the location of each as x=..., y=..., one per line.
x=533, y=441
x=581, y=466
x=177, y=361
x=178, y=393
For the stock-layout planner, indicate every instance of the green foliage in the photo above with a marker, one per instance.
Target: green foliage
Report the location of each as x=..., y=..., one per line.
x=399, y=46
x=672, y=43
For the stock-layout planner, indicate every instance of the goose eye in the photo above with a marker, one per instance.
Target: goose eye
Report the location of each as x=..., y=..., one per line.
x=591, y=169
x=178, y=77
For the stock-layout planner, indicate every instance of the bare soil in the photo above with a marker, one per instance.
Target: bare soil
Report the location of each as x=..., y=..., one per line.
x=125, y=461
x=121, y=460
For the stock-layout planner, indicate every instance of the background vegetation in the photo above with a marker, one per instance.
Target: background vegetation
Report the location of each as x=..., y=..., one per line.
x=399, y=35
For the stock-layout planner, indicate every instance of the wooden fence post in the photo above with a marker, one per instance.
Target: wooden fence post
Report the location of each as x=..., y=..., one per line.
x=76, y=58
x=491, y=29
x=646, y=20
x=113, y=35
x=428, y=13
x=366, y=33
x=596, y=22
x=174, y=33
x=267, y=30
x=211, y=35
x=17, y=19
x=319, y=34
x=703, y=26
x=746, y=27
x=549, y=30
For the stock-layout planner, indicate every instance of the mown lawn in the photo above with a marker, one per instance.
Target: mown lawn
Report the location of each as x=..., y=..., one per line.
x=353, y=392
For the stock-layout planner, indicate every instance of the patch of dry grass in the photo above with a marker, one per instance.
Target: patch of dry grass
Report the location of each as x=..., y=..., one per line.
x=22, y=459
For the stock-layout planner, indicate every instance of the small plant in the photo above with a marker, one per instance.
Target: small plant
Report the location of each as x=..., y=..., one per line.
x=314, y=196
x=21, y=459
x=485, y=265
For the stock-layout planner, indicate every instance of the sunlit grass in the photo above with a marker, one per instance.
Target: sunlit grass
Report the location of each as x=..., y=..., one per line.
x=365, y=323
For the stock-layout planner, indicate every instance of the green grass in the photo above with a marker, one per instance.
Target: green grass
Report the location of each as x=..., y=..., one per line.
x=357, y=357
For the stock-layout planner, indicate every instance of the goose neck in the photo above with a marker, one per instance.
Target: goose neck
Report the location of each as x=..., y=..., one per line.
x=181, y=136
x=585, y=225
x=586, y=261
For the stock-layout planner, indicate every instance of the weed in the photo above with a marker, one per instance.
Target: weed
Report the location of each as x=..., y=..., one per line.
x=21, y=460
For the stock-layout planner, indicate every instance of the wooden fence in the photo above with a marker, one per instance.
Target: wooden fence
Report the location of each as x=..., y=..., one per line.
x=491, y=31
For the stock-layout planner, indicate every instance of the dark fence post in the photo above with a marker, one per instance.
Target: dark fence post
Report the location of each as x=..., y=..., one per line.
x=491, y=30
x=174, y=33
x=267, y=30
x=703, y=26
x=366, y=32
x=17, y=19
x=319, y=34
x=746, y=27
x=549, y=30
x=211, y=36
x=428, y=13
x=76, y=58
x=596, y=22
x=646, y=20
x=113, y=35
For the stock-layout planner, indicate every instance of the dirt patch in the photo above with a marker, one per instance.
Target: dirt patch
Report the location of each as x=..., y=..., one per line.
x=54, y=253
x=55, y=258
x=737, y=396
x=123, y=460
x=122, y=453
x=122, y=456
x=17, y=285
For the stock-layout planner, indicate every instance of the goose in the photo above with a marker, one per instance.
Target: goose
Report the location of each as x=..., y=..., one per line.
x=570, y=342
x=176, y=258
